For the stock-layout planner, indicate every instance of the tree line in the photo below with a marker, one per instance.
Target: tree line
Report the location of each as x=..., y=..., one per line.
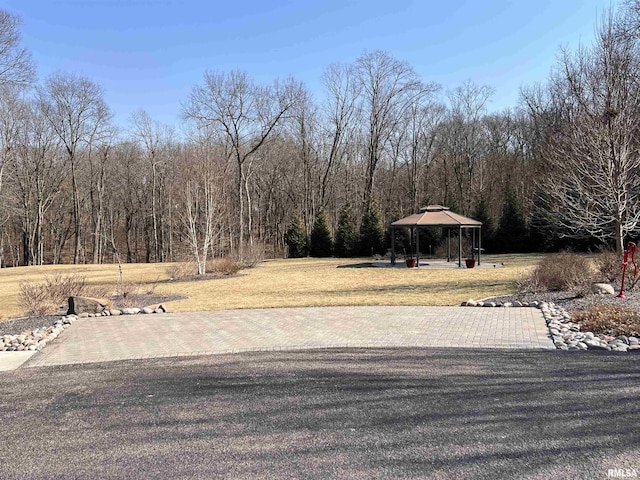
x=257, y=168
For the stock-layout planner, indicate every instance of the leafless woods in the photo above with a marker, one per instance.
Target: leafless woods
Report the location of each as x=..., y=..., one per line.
x=250, y=158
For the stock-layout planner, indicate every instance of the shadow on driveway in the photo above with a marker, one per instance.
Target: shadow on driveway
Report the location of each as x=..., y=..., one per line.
x=438, y=413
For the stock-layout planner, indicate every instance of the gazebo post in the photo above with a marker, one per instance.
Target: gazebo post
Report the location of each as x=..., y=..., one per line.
x=479, y=244
x=448, y=244
x=418, y=247
x=460, y=246
x=393, y=246
x=411, y=243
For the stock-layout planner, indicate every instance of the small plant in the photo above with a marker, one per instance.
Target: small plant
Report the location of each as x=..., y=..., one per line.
x=181, y=271
x=564, y=271
x=43, y=298
x=223, y=266
x=253, y=254
x=35, y=298
x=608, y=263
x=611, y=320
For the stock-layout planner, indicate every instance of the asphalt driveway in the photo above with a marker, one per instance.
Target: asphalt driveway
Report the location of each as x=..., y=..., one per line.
x=403, y=413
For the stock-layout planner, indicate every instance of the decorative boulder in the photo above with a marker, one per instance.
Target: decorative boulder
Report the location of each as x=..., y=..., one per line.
x=78, y=305
x=602, y=289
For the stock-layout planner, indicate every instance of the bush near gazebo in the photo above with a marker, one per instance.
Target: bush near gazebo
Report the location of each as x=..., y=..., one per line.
x=512, y=235
x=320, y=243
x=371, y=235
x=296, y=239
x=481, y=213
x=347, y=238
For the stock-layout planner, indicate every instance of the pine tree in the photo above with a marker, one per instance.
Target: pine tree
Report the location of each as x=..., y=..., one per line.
x=511, y=235
x=320, y=243
x=296, y=239
x=346, y=243
x=481, y=214
x=371, y=233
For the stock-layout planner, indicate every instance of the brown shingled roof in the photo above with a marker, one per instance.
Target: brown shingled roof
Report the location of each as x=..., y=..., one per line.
x=436, y=216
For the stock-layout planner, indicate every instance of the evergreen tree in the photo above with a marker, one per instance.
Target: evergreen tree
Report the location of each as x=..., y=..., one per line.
x=320, y=244
x=346, y=243
x=481, y=214
x=371, y=235
x=296, y=239
x=511, y=235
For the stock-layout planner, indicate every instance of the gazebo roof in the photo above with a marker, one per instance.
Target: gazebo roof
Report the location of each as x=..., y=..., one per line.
x=436, y=216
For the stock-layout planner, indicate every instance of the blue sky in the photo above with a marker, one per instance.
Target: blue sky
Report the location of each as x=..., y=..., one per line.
x=150, y=53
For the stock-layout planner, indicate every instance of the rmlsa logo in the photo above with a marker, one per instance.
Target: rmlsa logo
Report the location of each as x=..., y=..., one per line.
x=622, y=473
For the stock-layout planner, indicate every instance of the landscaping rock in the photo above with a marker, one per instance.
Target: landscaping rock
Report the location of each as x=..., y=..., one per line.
x=115, y=311
x=603, y=289
x=79, y=305
x=147, y=310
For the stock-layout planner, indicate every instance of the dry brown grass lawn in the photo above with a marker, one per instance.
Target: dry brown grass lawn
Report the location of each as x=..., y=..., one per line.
x=294, y=283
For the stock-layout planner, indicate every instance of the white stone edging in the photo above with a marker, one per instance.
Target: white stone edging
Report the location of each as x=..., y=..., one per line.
x=565, y=334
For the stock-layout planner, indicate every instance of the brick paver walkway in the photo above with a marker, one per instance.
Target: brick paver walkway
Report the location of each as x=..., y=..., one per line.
x=182, y=334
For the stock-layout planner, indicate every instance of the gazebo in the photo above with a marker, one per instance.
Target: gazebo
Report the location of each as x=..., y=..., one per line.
x=438, y=216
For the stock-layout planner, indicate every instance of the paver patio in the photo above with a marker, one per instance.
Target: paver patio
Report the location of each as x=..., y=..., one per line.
x=199, y=333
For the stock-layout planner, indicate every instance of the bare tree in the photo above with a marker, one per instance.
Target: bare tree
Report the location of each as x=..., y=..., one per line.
x=156, y=140
x=388, y=88
x=465, y=137
x=244, y=115
x=16, y=66
x=38, y=172
x=200, y=192
x=592, y=157
x=77, y=112
x=341, y=111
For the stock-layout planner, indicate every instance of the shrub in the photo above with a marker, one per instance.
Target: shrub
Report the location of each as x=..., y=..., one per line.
x=609, y=320
x=320, y=243
x=562, y=271
x=346, y=243
x=35, y=298
x=181, y=271
x=43, y=298
x=608, y=263
x=296, y=239
x=252, y=254
x=371, y=235
x=511, y=236
x=223, y=266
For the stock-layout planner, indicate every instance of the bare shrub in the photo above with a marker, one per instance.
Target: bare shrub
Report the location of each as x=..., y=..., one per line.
x=61, y=287
x=609, y=320
x=531, y=282
x=253, y=253
x=223, y=266
x=181, y=271
x=564, y=271
x=608, y=264
x=129, y=295
x=35, y=298
x=42, y=298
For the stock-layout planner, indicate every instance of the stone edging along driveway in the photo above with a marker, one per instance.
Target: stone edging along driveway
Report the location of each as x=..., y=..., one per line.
x=565, y=334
